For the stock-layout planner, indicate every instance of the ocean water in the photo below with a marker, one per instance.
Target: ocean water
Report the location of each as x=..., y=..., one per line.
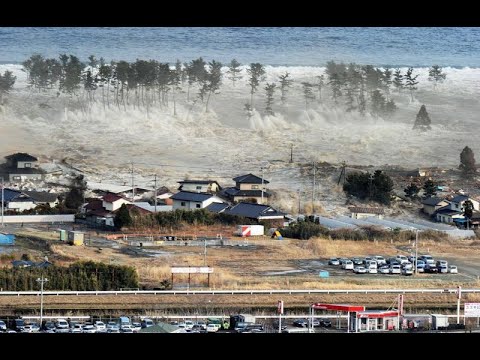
x=281, y=46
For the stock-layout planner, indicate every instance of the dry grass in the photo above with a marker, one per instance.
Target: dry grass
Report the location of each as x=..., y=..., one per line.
x=43, y=235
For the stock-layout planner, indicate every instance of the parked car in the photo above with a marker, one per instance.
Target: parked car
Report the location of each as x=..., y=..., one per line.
x=452, y=269
x=300, y=323
x=442, y=263
x=380, y=260
x=136, y=326
x=18, y=325
x=126, y=328
x=202, y=324
x=402, y=259
x=372, y=270
x=430, y=268
x=3, y=326
x=188, y=325
x=359, y=270
x=384, y=269
x=316, y=322
x=348, y=265
x=333, y=261
x=147, y=323
x=442, y=269
x=395, y=269
x=407, y=271
x=88, y=328
x=100, y=326
x=77, y=328
x=61, y=326
x=49, y=325
x=357, y=261
x=325, y=322
x=212, y=328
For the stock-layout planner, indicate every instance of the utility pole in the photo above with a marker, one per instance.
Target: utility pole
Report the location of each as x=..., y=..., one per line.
x=41, y=281
x=416, y=253
x=298, y=201
x=291, y=153
x=262, y=183
x=3, y=197
x=205, y=252
x=313, y=188
x=133, y=189
x=155, y=189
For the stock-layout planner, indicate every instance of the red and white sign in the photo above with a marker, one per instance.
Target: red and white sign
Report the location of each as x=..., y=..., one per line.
x=246, y=231
x=280, y=307
x=192, y=270
x=400, y=304
x=472, y=309
x=459, y=292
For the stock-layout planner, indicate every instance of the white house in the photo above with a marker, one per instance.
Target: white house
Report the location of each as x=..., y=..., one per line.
x=457, y=203
x=191, y=200
x=112, y=202
x=446, y=215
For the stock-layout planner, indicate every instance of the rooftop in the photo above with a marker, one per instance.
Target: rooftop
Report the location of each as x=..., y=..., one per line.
x=191, y=196
x=21, y=157
x=249, y=179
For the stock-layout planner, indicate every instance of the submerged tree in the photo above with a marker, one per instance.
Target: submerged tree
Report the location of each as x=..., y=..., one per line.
x=467, y=162
x=123, y=217
x=285, y=83
x=398, y=80
x=429, y=188
x=308, y=93
x=7, y=80
x=234, y=71
x=422, y=122
x=411, y=81
x=269, y=91
x=75, y=196
x=256, y=74
x=436, y=75
x=319, y=85
x=213, y=80
x=412, y=191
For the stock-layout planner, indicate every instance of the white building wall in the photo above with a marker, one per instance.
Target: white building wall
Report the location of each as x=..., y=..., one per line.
x=11, y=219
x=115, y=205
x=21, y=205
x=193, y=187
x=26, y=164
x=213, y=199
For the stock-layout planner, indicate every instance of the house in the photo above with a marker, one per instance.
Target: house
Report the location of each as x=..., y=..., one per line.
x=191, y=200
x=358, y=212
x=432, y=204
x=247, y=187
x=257, y=212
x=202, y=186
x=112, y=202
x=22, y=166
x=217, y=207
x=447, y=215
x=17, y=201
x=121, y=190
x=151, y=208
x=457, y=203
x=418, y=173
x=43, y=198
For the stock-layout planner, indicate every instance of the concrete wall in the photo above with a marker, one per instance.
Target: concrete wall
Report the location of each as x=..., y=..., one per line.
x=21, y=205
x=17, y=219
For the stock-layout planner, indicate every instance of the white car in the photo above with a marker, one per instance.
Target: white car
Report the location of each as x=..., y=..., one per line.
x=89, y=329
x=100, y=326
x=359, y=270
x=188, y=325
x=77, y=329
x=127, y=328
x=212, y=328
x=407, y=271
x=384, y=270
x=452, y=269
x=136, y=326
x=3, y=326
x=395, y=269
x=348, y=265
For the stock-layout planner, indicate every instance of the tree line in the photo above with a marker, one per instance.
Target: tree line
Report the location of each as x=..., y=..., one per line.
x=144, y=84
x=80, y=276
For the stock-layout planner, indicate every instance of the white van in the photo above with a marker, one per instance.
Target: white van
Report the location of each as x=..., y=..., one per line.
x=347, y=265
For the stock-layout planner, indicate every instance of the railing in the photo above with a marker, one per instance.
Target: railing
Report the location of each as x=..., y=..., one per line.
x=238, y=292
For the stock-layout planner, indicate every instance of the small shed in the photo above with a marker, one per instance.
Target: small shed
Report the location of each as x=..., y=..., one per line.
x=63, y=234
x=76, y=238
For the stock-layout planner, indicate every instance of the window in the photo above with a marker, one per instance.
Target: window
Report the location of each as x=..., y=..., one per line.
x=28, y=165
x=199, y=187
x=182, y=203
x=17, y=178
x=254, y=187
x=197, y=206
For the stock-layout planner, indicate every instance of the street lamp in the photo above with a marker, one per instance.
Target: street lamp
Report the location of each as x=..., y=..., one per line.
x=41, y=280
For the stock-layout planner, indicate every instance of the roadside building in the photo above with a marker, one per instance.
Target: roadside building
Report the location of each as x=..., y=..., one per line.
x=247, y=187
x=432, y=204
x=188, y=200
x=201, y=186
x=361, y=212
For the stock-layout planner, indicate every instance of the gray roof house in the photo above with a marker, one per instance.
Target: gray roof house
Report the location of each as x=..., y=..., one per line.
x=432, y=204
x=217, y=207
x=192, y=200
x=22, y=166
x=247, y=186
x=255, y=211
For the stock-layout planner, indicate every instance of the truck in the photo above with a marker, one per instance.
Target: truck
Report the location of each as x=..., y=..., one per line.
x=241, y=321
x=250, y=230
x=439, y=322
